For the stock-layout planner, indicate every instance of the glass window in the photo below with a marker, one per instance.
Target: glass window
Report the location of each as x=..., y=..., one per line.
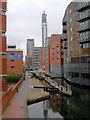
x=70, y=19
x=71, y=29
x=12, y=66
x=3, y=12
x=70, y=10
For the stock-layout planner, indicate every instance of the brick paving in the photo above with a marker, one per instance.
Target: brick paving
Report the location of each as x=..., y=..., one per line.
x=18, y=106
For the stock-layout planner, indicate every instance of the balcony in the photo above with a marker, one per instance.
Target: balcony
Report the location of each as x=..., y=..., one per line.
x=84, y=16
x=64, y=22
x=83, y=5
x=64, y=37
x=64, y=29
x=64, y=45
x=84, y=28
x=85, y=40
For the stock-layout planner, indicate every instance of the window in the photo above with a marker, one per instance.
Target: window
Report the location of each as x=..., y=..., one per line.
x=12, y=53
x=70, y=19
x=12, y=60
x=3, y=12
x=3, y=55
x=71, y=29
x=70, y=10
x=71, y=38
x=4, y=78
x=62, y=53
x=12, y=67
x=3, y=33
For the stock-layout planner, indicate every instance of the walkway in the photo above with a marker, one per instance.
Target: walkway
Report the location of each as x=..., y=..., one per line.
x=18, y=106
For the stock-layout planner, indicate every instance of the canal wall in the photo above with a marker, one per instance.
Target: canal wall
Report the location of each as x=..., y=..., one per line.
x=8, y=96
x=35, y=94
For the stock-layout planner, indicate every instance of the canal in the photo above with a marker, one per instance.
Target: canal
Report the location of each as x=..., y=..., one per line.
x=75, y=107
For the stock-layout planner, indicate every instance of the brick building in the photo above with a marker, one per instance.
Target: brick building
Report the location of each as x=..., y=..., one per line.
x=73, y=48
x=56, y=60
x=3, y=60
x=14, y=60
x=47, y=54
x=41, y=59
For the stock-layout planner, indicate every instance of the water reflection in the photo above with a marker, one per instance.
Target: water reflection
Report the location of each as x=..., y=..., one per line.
x=80, y=103
x=75, y=107
x=42, y=110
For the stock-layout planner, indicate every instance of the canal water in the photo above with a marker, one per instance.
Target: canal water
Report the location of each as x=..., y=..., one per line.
x=75, y=107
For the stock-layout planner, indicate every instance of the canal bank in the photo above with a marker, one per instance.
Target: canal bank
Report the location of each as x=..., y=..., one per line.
x=18, y=106
x=35, y=94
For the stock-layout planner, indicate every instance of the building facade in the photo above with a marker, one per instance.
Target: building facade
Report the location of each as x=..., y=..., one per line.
x=47, y=54
x=3, y=60
x=75, y=70
x=35, y=58
x=41, y=59
x=28, y=57
x=56, y=61
x=30, y=47
x=84, y=41
x=14, y=60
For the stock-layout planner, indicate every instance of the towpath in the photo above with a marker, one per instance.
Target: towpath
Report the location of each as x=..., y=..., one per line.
x=18, y=106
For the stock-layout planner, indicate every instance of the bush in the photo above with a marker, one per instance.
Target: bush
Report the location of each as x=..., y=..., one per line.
x=12, y=77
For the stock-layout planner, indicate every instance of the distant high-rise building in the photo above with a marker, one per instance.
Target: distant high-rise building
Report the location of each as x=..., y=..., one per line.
x=35, y=58
x=28, y=57
x=3, y=60
x=30, y=47
x=44, y=28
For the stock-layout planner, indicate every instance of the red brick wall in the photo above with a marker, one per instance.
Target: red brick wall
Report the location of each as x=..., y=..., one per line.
x=17, y=63
x=55, y=50
x=3, y=60
x=4, y=85
x=7, y=97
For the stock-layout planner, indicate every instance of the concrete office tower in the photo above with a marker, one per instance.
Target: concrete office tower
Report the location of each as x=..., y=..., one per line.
x=35, y=58
x=28, y=57
x=30, y=47
x=44, y=28
x=3, y=60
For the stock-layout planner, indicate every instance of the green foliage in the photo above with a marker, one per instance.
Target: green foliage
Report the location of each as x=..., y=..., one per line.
x=12, y=77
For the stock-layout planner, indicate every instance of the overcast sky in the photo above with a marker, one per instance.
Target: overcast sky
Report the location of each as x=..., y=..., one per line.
x=24, y=20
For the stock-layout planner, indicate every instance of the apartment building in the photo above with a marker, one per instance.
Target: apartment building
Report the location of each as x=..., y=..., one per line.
x=47, y=54
x=3, y=60
x=73, y=48
x=14, y=60
x=35, y=58
x=56, y=60
x=84, y=41
x=42, y=58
